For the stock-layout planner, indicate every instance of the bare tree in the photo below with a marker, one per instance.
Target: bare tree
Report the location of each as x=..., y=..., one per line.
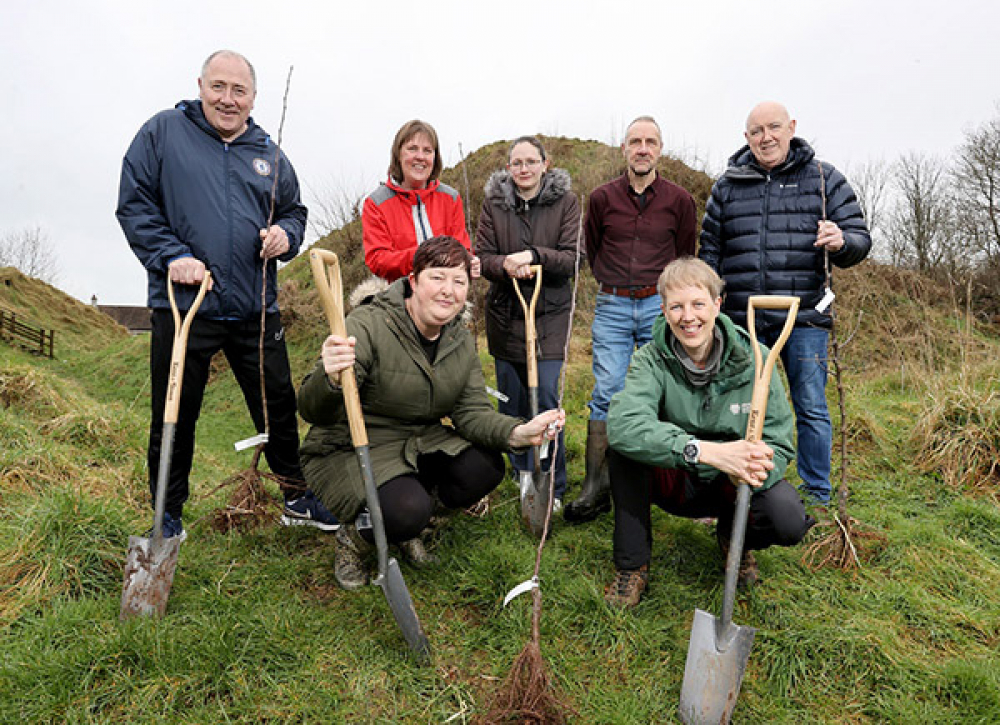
x=30, y=250
x=976, y=176
x=922, y=232
x=872, y=184
x=333, y=207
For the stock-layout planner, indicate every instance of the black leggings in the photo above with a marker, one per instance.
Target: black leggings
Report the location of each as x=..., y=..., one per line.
x=776, y=517
x=407, y=501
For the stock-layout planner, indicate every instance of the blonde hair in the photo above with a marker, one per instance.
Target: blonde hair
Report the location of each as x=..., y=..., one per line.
x=689, y=272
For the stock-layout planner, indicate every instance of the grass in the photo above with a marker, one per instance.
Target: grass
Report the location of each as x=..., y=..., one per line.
x=257, y=631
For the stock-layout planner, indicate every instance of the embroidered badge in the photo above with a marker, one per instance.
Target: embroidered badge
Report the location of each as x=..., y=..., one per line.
x=262, y=167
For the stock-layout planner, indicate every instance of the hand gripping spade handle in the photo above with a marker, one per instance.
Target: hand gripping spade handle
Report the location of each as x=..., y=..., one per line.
x=535, y=499
x=326, y=273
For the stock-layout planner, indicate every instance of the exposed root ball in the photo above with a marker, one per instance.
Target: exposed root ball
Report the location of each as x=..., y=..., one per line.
x=844, y=544
x=525, y=696
x=249, y=505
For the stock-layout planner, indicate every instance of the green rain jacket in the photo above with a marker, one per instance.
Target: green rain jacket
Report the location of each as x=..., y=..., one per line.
x=404, y=399
x=658, y=411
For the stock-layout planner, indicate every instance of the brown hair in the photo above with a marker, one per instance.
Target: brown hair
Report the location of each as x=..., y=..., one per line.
x=404, y=134
x=441, y=251
x=528, y=140
x=689, y=272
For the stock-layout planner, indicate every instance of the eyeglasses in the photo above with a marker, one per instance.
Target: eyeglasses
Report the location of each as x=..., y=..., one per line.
x=526, y=163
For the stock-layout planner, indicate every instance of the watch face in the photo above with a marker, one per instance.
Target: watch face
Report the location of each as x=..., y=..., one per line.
x=690, y=452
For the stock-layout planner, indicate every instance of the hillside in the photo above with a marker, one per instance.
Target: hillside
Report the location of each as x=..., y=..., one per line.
x=257, y=631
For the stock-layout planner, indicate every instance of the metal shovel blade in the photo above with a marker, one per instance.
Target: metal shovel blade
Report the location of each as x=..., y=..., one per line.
x=402, y=608
x=713, y=674
x=149, y=573
x=535, y=503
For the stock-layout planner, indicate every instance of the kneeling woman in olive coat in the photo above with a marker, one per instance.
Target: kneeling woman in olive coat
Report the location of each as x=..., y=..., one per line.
x=431, y=427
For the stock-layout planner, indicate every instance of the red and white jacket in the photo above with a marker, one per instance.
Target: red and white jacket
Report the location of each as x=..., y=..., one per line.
x=396, y=220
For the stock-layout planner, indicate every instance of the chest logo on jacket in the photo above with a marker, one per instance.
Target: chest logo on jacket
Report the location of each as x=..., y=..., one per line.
x=262, y=167
x=738, y=408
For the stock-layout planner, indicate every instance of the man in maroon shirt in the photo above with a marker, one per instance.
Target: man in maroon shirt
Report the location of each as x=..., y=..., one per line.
x=636, y=225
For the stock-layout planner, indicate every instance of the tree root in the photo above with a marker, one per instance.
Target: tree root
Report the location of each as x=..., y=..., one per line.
x=846, y=544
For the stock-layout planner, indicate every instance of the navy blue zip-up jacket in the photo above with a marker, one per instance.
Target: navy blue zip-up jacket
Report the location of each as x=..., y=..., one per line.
x=186, y=192
x=759, y=230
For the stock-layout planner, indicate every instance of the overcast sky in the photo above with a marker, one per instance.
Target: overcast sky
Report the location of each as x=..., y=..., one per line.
x=864, y=79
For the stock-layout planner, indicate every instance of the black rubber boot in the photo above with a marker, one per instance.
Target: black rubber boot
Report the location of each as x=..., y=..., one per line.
x=595, y=494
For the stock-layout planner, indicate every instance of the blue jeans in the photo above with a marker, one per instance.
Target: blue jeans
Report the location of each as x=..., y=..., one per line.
x=805, y=359
x=512, y=381
x=620, y=326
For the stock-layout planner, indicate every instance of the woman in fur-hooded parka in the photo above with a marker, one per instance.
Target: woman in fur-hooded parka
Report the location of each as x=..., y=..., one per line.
x=530, y=217
x=547, y=226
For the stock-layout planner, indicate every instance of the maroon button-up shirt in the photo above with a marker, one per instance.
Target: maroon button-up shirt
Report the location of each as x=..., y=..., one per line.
x=628, y=246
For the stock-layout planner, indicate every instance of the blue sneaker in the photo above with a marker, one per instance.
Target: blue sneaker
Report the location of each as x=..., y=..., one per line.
x=171, y=527
x=309, y=511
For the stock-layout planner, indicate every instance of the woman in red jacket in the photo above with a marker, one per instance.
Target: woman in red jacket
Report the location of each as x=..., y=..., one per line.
x=412, y=206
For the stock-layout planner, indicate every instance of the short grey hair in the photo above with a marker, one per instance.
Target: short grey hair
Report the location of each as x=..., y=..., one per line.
x=645, y=119
x=231, y=54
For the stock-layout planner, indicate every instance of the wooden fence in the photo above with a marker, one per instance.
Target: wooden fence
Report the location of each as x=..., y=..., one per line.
x=36, y=339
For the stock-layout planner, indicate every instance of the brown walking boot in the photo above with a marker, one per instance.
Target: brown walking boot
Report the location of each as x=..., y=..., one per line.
x=349, y=567
x=595, y=493
x=627, y=588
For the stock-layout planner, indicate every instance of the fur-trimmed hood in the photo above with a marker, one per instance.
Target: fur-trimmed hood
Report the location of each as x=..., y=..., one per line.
x=500, y=188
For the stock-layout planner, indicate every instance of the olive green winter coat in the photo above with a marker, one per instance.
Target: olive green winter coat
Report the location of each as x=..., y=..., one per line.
x=659, y=411
x=404, y=398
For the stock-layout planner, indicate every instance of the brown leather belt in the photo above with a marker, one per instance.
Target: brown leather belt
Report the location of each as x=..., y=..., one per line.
x=635, y=293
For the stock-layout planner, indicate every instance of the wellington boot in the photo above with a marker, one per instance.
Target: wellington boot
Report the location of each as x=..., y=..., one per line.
x=595, y=493
x=349, y=567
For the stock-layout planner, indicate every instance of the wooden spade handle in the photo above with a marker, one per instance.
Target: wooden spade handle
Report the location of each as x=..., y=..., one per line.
x=530, y=333
x=762, y=373
x=326, y=273
x=179, y=351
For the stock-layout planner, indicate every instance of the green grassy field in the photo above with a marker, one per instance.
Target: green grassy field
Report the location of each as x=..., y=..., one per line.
x=257, y=630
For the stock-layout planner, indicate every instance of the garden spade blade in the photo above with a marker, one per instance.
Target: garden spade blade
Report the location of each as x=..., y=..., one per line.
x=719, y=648
x=389, y=578
x=151, y=562
x=534, y=496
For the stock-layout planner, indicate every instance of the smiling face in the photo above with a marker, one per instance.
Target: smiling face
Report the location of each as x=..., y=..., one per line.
x=438, y=297
x=691, y=311
x=526, y=167
x=416, y=158
x=769, y=133
x=227, y=94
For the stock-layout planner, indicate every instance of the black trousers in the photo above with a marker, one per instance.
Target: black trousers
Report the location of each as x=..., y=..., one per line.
x=239, y=341
x=777, y=514
x=407, y=502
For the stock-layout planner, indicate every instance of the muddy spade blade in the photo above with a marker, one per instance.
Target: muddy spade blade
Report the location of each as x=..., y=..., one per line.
x=149, y=574
x=716, y=660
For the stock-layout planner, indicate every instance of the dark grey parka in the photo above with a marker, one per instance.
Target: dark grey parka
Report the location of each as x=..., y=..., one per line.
x=759, y=230
x=549, y=226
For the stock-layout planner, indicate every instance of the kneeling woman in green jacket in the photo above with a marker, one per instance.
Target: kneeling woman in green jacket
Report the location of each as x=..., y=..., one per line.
x=676, y=434
x=431, y=427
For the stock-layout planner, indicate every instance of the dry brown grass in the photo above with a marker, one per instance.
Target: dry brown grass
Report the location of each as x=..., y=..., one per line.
x=958, y=435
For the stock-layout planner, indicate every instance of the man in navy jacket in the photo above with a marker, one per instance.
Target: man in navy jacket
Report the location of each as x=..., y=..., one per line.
x=773, y=219
x=195, y=194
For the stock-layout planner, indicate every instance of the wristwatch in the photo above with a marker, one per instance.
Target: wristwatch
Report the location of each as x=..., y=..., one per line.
x=692, y=451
